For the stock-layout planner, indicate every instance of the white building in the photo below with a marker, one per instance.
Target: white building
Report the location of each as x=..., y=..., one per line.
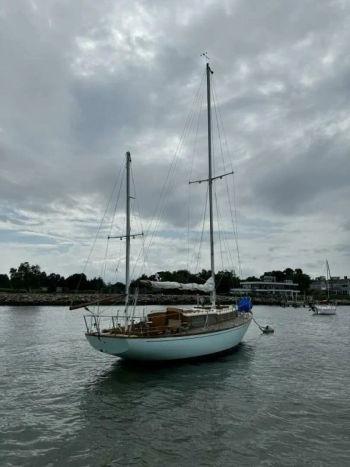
x=337, y=285
x=268, y=286
x=319, y=284
x=340, y=286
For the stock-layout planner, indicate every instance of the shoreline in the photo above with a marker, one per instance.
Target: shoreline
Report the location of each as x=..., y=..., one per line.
x=65, y=299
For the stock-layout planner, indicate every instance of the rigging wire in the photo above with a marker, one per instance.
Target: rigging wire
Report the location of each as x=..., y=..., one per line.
x=189, y=211
x=219, y=233
x=142, y=249
x=222, y=243
x=166, y=188
x=233, y=215
x=160, y=207
x=222, y=234
x=99, y=229
x=236, y=223
x=112, y=223
x=202, y=233
x=233, y=212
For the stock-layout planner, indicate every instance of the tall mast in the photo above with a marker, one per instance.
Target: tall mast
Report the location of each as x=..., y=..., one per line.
x=127, y=233
x=210, y=181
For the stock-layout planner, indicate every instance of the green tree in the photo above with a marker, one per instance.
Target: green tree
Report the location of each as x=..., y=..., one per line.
x=278, y=275
x=303, y=280
x=77, y=282
x=225, y=281
x=53, y=281
x=4, y=281
x=96, y=283
x=119, y=287
x=26, y=276
x=289, y=273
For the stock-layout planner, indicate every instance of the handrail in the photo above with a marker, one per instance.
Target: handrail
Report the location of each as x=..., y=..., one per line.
x=139, y=325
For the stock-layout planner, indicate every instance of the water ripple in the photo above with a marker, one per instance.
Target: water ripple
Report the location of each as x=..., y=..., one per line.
x=278, y=400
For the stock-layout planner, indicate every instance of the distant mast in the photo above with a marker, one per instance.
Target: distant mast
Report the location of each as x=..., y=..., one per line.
x=210, y=181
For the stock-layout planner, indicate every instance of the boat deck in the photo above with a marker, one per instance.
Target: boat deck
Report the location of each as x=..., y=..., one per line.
x=157, y=326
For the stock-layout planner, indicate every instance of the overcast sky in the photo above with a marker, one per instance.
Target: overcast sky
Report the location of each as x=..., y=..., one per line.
x=83, y=81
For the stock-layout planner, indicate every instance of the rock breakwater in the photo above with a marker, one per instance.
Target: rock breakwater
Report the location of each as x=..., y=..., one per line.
x=66, y=299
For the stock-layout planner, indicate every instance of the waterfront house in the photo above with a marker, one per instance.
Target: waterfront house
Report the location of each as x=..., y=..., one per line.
x=337, y=285
x=268, y=286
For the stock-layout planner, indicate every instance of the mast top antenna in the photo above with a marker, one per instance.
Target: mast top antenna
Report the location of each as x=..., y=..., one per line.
x=205, y=55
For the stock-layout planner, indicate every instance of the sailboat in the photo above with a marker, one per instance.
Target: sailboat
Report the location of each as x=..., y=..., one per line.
x=175, y=333
x=325, y=307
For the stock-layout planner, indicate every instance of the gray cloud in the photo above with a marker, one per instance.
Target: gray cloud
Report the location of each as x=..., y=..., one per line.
x=82, y=82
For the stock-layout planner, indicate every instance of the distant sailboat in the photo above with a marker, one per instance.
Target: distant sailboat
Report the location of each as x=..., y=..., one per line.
x=174, y=333
x=325, y=307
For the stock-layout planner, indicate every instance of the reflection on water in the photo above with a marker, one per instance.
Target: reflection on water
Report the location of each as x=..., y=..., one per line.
x=276, y=400
x=132, y=377
x=161, y=405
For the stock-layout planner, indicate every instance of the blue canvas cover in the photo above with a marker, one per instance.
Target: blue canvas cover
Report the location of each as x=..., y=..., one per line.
x=245, y=304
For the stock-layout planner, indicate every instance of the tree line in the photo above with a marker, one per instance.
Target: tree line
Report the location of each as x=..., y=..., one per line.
x=27, y=277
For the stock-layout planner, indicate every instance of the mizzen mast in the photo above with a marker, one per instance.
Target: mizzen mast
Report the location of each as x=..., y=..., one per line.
x=128, y=235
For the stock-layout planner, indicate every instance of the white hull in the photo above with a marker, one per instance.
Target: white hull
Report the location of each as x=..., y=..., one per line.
x=169, y=348
x=325, y=310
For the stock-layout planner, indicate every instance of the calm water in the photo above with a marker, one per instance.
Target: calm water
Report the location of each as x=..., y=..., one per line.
x=280, y=400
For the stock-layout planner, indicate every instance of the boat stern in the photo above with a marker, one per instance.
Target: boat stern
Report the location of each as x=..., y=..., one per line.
x=117, y=346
